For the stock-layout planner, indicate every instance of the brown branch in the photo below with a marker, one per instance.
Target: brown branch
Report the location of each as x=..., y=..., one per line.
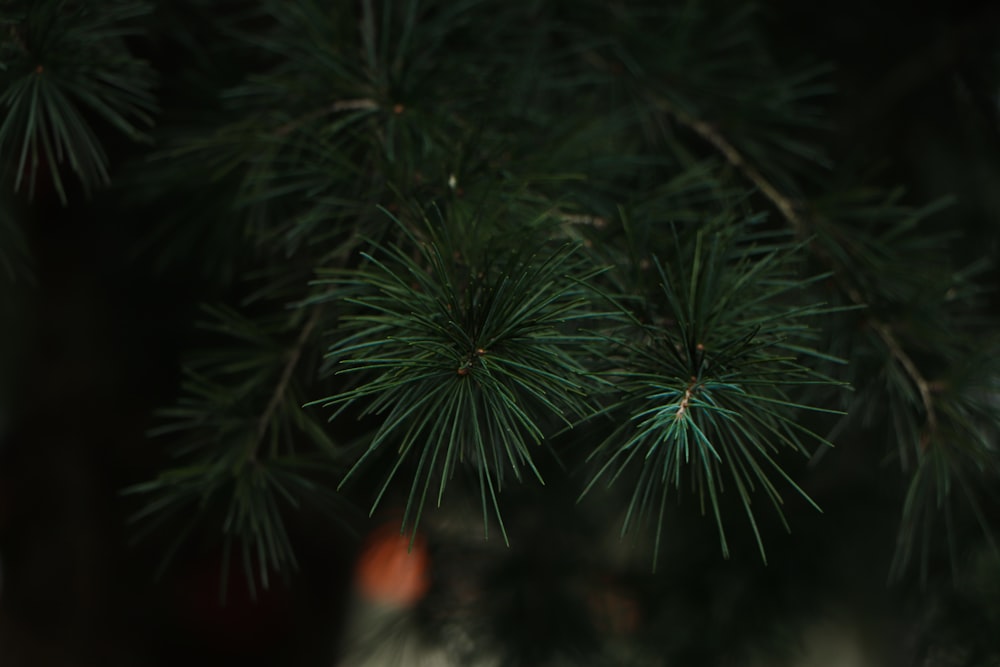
x=785, y=205
x=790, y=211
x=595, y=221
x=362, y=103
x=291, y=363
x=923, y=386
x=686, y=400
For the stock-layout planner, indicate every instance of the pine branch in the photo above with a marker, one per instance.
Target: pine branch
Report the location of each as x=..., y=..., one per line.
x=885, y=332
x=704, y=392
x=789, y=210
x=465, y=338
x=280, y=389
x=361, y=104
x=929, y=492
x=220, y=428
x=60, y=60
x=468, y=357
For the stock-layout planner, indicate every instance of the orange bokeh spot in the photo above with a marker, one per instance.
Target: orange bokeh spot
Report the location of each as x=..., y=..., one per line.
x=389, y=571
x=613, y=610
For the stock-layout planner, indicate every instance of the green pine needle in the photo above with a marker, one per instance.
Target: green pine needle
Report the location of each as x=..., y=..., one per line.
x=61, y=61
x=469, y=365
x=706, y=396
x=952, y=483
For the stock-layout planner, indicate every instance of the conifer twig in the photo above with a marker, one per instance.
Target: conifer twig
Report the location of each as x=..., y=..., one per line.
x=790, y=211
x=910, y=367
x=685, y=403
x=361, y=103
x=706, y=131
x=286, y=377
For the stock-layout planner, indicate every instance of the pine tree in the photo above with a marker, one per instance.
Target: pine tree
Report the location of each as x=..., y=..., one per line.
x=645, y=270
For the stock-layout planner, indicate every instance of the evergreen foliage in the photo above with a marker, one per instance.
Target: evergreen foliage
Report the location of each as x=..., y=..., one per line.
x=620, y=243
x=708, y=389
x=59, y=61
x=469, y=358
